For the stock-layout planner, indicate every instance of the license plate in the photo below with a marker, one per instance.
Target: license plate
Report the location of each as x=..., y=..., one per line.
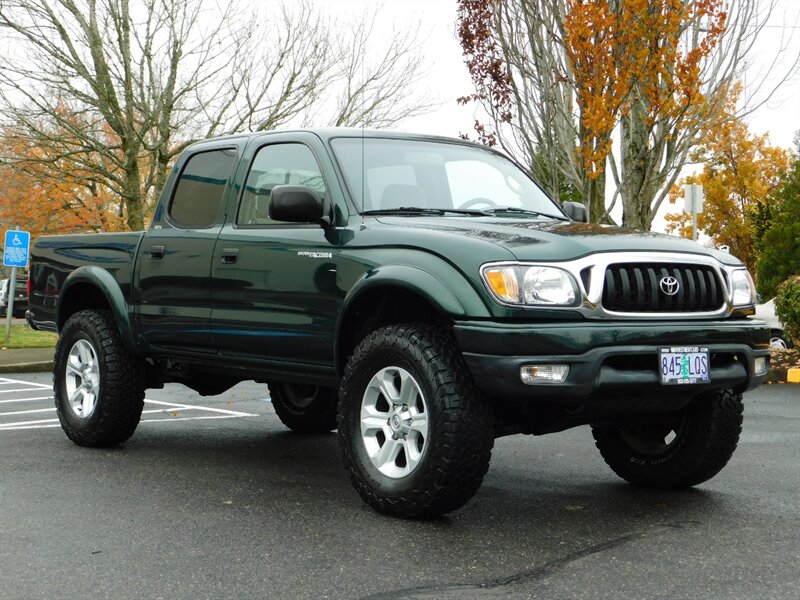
x=684, y=365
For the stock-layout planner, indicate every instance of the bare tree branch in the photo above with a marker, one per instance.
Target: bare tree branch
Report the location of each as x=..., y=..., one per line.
x=117, y=88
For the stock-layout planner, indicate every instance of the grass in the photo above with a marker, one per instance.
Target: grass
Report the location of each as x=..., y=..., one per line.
x=23, y=336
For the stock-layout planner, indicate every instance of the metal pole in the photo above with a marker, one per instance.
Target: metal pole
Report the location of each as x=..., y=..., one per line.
x=12, y=289
x=694, y=217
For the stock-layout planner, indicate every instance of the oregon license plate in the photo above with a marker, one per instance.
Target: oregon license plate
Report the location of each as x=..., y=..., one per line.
x=685, y=364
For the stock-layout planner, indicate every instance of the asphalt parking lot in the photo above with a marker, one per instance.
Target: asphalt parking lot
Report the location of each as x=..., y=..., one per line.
x=214, y=498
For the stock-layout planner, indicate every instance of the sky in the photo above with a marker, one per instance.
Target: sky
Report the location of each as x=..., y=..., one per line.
x=779, y=116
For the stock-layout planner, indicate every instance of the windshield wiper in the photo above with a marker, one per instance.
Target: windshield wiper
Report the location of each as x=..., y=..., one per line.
x=513, y=209
x=416, y=210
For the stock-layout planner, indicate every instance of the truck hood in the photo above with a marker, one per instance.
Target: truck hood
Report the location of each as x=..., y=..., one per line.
x=528, y=239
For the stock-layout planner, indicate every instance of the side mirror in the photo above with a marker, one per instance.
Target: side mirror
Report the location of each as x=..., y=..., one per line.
x=298, y=204
x=576, y=211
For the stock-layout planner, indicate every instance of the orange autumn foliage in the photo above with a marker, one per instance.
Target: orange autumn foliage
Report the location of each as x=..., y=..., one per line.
x=741, y=172
x=634, y=51
x=37, y=196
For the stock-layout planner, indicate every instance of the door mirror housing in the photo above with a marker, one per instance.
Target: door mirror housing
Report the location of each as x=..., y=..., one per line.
x=576, y=211
x=299, y=204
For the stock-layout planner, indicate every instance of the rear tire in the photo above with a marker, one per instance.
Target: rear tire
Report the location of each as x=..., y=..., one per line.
x=677, y=449
x=99, y=387
x=416, y=433
x=304, y=408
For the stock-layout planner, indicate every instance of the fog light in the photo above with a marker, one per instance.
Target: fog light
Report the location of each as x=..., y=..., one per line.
x=760, y=365
x=534, y=374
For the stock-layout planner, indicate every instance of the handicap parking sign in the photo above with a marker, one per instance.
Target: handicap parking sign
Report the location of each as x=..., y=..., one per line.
x=16, y=249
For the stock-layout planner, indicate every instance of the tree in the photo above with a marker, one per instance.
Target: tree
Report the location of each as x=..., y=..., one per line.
x=559, y=78
x=54, y=194
x=741, y=174
x=147, y=77
x=780, y=256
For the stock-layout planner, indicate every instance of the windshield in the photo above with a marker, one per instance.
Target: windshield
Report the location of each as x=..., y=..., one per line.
x=437, y=175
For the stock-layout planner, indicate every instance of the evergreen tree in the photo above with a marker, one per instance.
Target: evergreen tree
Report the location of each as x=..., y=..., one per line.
x=780, y=257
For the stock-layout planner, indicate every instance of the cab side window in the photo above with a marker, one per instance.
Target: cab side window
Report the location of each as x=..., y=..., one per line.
x=201, y=187
x=278, y=164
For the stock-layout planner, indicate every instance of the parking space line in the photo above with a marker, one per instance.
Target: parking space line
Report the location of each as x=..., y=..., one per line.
x=17, y=424
x=206, y=418
x=26, y=399
x=208, y=408
x=25, y=412
x=6, y=381
x=165, y=407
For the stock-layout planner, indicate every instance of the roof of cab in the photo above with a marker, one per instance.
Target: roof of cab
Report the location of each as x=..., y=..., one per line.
x=328, y=133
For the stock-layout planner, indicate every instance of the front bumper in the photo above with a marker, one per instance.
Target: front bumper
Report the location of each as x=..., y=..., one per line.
x=614, y=363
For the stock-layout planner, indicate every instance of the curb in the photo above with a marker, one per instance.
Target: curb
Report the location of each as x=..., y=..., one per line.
x=793, y=375
x=35, y=367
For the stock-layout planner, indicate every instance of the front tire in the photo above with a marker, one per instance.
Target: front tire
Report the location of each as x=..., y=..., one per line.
x=678, y=449
x=416, y=433
x=304, y=408
x=99, y=387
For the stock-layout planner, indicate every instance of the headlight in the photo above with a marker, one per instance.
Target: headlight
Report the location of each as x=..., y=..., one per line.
x=531, y=285
x=742, y=288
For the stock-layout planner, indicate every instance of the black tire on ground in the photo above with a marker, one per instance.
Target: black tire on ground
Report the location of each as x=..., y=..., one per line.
x=90, y=351
x=438, y=463
x=678, y=449
x=304, y=408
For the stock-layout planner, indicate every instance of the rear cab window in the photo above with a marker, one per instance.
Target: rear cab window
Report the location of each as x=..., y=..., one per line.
x=200, y=189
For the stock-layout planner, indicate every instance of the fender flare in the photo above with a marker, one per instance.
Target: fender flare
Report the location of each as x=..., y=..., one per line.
x=418, y=281
x=412, y=279
x=103, y=281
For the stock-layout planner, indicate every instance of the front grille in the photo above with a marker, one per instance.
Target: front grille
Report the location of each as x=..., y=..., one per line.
x=636, y=287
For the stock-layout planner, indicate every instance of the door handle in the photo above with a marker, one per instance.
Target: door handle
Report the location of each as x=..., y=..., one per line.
x=229, y=255
x=156, y=251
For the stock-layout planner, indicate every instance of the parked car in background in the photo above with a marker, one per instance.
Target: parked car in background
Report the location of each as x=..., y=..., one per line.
x=766, y=312
x=20, y=297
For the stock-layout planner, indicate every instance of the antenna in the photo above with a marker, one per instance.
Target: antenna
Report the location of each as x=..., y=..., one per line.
x=363, y=161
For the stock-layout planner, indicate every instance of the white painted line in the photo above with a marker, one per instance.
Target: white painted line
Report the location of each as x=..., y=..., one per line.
x=31, y=383
x=207, y=408
x=169, y=406
x=32, y=425
x=15, y=428
x=25, y=412
x=10, y=425
x=27, y=399
x=21, y=390
x=196, y=418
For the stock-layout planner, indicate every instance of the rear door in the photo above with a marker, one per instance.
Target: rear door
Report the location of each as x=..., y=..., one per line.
x=275, y=288
x=174, y=263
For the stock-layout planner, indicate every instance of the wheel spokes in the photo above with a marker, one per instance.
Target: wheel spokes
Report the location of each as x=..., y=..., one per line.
x=87, y=405
x=393, y=421
x=388, y=452
x=82, y=379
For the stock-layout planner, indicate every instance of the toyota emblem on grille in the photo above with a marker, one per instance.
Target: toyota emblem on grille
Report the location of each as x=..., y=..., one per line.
x=669, y=285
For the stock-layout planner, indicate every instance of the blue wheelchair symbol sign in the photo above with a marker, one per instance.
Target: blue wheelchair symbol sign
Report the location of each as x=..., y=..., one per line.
x=16, y=249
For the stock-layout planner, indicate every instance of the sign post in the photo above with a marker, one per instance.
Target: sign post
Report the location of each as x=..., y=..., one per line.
x=15, y=254
x=693, y=197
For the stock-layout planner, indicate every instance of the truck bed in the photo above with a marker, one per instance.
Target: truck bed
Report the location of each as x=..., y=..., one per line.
x=54, y=258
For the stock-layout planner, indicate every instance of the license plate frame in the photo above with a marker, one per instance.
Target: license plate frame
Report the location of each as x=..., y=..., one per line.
x=684, y=365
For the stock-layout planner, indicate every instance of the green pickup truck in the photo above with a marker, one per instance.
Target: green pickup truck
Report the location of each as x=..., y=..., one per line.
x=421, y=295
